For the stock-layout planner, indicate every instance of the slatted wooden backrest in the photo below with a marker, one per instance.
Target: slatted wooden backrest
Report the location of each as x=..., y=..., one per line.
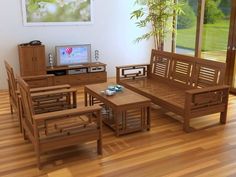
x=208, y=73
x=11, y=83
x=26, y=101
x=159, y=65
x=172, y=67
x=185, y=70
x=182, y=69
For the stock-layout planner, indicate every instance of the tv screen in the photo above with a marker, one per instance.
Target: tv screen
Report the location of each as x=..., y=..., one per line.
x=73, y=54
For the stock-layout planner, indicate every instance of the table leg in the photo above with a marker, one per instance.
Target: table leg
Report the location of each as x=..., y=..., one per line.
x=85, y=98
x=74, y=99
x=148, y=118
x=68, y=99
x=116, y=123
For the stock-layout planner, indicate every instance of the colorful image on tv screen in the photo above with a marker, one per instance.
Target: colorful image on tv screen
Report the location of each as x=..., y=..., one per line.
x=73, y=55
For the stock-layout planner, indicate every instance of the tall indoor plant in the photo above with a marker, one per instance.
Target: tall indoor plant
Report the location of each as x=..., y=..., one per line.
x=158, y=13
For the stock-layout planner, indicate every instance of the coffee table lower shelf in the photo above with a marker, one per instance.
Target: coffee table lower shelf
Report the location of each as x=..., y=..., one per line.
x=127, y=121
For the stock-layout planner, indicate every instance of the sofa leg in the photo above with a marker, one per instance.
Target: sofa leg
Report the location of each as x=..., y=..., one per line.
x=186, y=126
x=99, y=147
x=24, y=134
x=38, y=157
x=20, y=123
x=38, y=162
x=11, y=108
x=223, y=116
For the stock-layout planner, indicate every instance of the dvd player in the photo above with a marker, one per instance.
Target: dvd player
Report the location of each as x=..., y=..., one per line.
x=94, y=69
x=77, y=71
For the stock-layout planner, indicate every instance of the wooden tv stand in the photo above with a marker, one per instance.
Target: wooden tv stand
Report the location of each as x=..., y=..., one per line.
x=80, y=74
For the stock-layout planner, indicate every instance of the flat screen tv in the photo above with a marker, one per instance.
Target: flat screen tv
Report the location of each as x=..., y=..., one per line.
x=73, y=54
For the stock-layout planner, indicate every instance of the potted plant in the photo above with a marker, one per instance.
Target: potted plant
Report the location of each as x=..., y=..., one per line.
x=158, y=13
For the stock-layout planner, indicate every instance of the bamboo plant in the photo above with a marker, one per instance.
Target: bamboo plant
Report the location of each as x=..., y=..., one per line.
x=158, y=13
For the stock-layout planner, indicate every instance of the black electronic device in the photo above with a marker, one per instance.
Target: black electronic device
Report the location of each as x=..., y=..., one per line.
x=58, y=72
x=34, y=42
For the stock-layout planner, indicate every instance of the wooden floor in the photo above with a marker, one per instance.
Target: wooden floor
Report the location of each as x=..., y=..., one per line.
x=164, y=151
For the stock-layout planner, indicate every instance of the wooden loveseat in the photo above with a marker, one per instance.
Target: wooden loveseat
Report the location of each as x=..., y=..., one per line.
x=188, y=86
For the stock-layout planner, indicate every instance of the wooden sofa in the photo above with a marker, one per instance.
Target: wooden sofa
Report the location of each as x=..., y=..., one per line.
x=188, y=86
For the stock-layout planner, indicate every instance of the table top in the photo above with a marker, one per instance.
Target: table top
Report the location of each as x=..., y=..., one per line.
x=122, y=98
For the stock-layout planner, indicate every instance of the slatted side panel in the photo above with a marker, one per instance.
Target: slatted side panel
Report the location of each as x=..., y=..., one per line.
x=160, y=66
x=207, y=99
x=131, y=120
x=51, y=103
x=181, y=71
x=207, y=76
x=135, y=119
x=65, y=126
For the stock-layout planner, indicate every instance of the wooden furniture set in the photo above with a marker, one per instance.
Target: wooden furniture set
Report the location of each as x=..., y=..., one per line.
x=124, y=112
x=33, y=62
x=188, y=86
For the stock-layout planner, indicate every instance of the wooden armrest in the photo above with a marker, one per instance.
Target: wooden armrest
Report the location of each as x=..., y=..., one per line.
x=135, y=65
x=53, y=92
x=26, y=78
x=46, y=89
x=69, y=112
x=207, y=100
x=49, y=88
x=207, y=89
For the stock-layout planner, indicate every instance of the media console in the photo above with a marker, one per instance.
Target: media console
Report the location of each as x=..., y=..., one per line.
x=79, y=74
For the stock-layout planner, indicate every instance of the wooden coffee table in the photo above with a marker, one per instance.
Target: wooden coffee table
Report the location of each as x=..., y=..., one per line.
x=124, y=112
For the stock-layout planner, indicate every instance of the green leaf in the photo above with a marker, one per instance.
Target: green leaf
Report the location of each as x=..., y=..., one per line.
x=137, y=14
x=157, y=13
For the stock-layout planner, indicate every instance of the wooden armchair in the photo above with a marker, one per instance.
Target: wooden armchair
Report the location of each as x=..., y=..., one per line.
x=54, y=130
x=45, y=99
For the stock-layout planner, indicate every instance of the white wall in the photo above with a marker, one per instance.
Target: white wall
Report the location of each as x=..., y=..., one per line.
x=112, y=33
